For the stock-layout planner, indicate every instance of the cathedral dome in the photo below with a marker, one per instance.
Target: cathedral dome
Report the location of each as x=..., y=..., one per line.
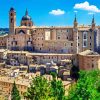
x=26, y=17
x=26, y=20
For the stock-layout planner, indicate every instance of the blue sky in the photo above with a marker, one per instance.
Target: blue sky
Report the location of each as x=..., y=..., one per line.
x=51, y=12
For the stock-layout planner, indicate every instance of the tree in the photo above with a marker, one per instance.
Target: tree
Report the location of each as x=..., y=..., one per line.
x=15, y=93
x=74, y=72
x=87, y=86
x=57, y=89
x=39, y=89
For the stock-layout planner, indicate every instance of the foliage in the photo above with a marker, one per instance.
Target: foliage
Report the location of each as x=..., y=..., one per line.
x=39, y=89
x=87, y=87
x=57, y=89
x=15, y=93
x=74, y=72
x=54, y=75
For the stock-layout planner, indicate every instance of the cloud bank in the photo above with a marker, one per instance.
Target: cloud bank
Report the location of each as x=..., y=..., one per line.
x=86, y=6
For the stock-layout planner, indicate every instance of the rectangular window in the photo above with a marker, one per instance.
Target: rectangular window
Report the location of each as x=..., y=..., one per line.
x=84, y=39
x=71, y=44
x=84, y=44
x=16, y=43
x=58, y=37
x=67, y=30
x=78, y=44
x=65, y=44
x=78, y=37
x=47, y=35
x=84, y=35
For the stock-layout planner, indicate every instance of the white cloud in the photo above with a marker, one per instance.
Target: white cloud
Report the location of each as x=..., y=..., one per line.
x=57, y=12
x=91, y=13
x=75, y=11
x=86, y=6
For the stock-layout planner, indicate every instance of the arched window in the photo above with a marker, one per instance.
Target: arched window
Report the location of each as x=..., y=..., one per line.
x=25, y=24
x=11, y=14
x=29, y=24
x=11, y=20
x=92, y=65
x=84, y=35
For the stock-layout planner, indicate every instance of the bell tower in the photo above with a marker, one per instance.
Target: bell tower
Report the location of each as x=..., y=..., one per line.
x=12, y=21
x=75, y=35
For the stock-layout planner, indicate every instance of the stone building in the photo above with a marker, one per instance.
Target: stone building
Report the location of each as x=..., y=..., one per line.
x=49, y=42
x=29, y=37
x=88, y=60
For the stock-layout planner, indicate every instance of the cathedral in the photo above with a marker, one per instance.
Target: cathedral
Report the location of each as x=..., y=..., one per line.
x=71, y=40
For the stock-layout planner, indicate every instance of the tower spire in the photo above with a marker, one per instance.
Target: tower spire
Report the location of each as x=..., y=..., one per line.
x=93, y=21
x=26, y=13
x=75, y=20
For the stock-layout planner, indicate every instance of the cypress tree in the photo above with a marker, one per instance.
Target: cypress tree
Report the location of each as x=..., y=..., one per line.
x=15, y=93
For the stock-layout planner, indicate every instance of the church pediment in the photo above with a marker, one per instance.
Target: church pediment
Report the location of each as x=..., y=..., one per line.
x=21, y=32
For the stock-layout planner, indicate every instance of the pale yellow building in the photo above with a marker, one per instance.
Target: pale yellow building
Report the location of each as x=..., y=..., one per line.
x=6, y=84
x=17, y=57
x=22, y=84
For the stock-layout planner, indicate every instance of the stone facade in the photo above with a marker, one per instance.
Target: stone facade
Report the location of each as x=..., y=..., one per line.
x=71, y=40
x=3, y=41
x=49, y=40
x=88, y=60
